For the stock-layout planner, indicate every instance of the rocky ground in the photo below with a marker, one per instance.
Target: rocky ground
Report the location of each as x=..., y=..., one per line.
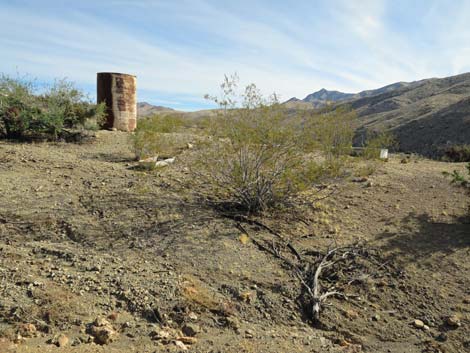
x=97, y=256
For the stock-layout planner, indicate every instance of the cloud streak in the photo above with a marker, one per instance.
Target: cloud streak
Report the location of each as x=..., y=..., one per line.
x=180, y=49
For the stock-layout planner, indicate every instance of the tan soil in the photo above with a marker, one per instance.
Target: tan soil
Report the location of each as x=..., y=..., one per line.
x=83, y=235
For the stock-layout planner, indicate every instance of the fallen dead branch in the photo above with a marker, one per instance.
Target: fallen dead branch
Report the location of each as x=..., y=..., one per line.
x=311, y=279
x=339, y=267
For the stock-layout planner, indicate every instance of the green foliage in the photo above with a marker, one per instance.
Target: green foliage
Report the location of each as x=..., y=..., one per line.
x=375, y=142
x=153, y=135
x=25, y=113
x=330, y=131
x=459, y=179
x=261, y=157
x=457, y=153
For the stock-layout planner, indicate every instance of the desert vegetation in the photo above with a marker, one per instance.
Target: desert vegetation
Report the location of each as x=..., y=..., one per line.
x=155, y=136
x=28, y=113
x=457, y=153
x=263, y=234
x=261, y=157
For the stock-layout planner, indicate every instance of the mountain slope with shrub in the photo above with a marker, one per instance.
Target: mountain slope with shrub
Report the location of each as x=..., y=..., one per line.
x=427, y=116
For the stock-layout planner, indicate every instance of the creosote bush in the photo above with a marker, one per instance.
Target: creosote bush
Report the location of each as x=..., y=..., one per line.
x=375, y=141
x=261, y=157
x=153, y=136
x=457, y=153
x=26, y=114
x=370, y=152
x=461, y=180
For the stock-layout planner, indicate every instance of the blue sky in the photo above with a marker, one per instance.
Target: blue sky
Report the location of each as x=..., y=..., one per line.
x=181, y=49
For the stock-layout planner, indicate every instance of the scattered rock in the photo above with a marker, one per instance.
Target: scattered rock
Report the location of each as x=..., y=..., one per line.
x=246, y=297
x=466, y=300
x=113, y=316
x=351, y=314
x=191, y=330
x=103, y=331
x=127, y=324
x=418, y=324
x=192, y=316
x=190, y=146
x=181, y=345
x=426, y=328
x=382, y=283
x=187, y=340
x=249, y=333
x=165, y=162
x=360, y=180
x=62, y=341
x=376, y=317
x=161, y=335
x=244, y=238
x=153, y=162
x=453, y=321
x=233, y=322
x=19, y=339
x=27, y=330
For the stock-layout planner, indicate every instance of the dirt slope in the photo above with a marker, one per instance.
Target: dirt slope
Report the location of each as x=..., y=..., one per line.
x=84, y=236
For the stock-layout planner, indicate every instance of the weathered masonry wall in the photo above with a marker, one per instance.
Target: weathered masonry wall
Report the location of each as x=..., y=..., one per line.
x=118, y=91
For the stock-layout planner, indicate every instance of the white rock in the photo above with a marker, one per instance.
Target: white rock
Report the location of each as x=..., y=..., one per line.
x=418, y=324
x=165, y=162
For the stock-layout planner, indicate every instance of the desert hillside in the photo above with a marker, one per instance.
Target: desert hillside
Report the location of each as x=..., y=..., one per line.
x=91, y=246
x=145, y=109
x=426, y=116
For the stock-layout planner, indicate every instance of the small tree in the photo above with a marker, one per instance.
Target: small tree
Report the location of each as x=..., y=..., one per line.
x=261, y=156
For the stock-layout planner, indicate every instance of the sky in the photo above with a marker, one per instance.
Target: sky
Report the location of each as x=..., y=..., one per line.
x=181, y=49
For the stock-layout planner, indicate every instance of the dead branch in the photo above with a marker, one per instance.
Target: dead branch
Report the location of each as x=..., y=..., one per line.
x=314, y=291
x=239, y=218
x=339, y=262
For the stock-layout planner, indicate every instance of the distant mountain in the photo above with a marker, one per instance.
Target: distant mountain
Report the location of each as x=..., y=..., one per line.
x=323, y=97
x=425, y=116
x=146, y=109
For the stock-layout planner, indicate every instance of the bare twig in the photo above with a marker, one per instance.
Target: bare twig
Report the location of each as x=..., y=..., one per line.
x=239, y=218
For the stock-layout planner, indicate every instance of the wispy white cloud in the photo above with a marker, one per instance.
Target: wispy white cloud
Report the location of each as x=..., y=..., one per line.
x=182, y=48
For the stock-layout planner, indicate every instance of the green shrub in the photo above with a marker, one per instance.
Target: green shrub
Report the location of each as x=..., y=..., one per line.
x=263, y=158
x=460, y=179
x=25, y=113
x=375, y=141
x=153, y=136
x=457, y=153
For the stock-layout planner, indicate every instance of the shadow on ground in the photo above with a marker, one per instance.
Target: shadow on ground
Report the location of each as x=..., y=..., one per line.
x=421, y=237
x=116, y=157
